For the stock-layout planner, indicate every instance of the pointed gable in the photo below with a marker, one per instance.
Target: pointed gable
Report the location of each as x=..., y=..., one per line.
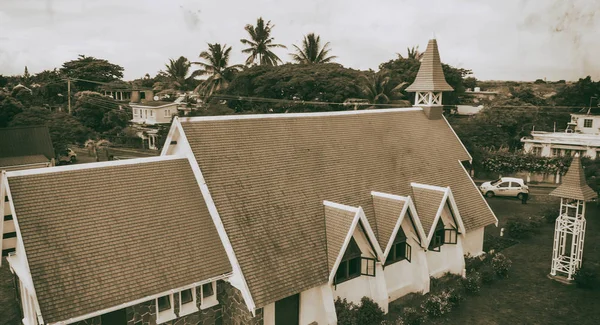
x=337, y=225
x=387, y=212
x=428, y=201
x=431, y=75
x=574, y=185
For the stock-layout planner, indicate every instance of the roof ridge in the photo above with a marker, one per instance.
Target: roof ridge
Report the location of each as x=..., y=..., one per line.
x=294, y=115
x=58, y=169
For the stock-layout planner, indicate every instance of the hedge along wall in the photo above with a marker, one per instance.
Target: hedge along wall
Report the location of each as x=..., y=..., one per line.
x=504, y=162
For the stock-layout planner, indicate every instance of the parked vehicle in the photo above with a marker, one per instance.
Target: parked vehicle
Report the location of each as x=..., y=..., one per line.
x=68, y=157
x=505, y=186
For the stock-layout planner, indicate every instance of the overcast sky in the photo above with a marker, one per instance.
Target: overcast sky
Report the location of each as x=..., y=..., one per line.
x=502, y=40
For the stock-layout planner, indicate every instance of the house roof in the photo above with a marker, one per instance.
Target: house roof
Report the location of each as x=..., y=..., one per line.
x=22, y=160
x=111, y=233
x=431, y=75
x=574, y=185
x=25, y=142
x=337, y=225
x=386, y=212
x=268, y=176
x=427, y=202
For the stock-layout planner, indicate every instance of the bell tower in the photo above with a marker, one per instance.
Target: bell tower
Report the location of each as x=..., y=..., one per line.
x=430, y=81
x=569, y=230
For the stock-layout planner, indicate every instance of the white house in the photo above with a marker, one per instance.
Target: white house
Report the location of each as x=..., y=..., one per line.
x=147, y=115
x=581, y=136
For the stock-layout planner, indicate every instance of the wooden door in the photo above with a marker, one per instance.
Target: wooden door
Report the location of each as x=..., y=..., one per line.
x=287, y=311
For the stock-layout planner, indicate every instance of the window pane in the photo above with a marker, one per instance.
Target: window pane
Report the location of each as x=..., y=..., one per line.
x=391, y=254
x=164, y=303
x=400, y=251
x=186, y=296
x=340, y=275
x=207, y=290
x=354, y=267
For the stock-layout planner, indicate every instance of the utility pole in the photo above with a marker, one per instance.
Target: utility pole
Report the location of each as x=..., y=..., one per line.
x=69, y=94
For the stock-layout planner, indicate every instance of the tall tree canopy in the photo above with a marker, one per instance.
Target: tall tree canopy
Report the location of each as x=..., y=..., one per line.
x=100, y=113
x=312, y=82
x=216, y=67
x=260, y=44
x=378, y=89
x=9, y=107
x=580, y=93
x=412, y=53
x=91, y=68
x=311, y=51
x=178, y=73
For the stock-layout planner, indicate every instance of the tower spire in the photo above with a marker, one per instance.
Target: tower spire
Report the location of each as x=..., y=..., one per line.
x=430, y=81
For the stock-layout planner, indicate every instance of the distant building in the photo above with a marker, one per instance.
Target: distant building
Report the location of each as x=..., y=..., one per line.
x=581, y=136
x=150, y=114
x=477, y=95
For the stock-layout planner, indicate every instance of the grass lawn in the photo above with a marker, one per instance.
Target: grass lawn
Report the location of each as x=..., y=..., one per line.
x=527, y=296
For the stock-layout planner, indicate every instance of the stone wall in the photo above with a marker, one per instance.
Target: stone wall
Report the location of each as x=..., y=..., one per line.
x=235, y=311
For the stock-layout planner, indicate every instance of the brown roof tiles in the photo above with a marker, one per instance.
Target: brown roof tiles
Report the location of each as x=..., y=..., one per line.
x=574, y=185
x=99, y=237
x=268, y=177
x=431, y=75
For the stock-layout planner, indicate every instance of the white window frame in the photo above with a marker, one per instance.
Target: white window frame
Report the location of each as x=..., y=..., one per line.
x=167, y=315
x=209, y=301
x=167, y=113
x=190, y=307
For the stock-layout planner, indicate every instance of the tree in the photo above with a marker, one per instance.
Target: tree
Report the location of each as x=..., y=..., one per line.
x=177, y=73
x=9, y=107
x=578, y=94
x=51, y=88
x=64, y=129
x=260, y=44
x=26, y=76
x=100, y=113
x=378, y=89
x=3, y=81
x=470, y=82
x=311, y=51
x=413, y=53
x=91, y=68
x=216, y=67
x=294, y=85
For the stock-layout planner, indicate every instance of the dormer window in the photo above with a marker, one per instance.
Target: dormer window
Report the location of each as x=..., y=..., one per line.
x=165, y=310
x=208, y=295
x=349, y=267
x=438, y=237
x=187, y=302
x=400, y=249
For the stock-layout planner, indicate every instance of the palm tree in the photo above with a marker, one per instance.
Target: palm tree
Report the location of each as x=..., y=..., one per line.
x=216, y=68
x=177, y=72
x=311, y=51
x=260, y=44
x=378, y=89
x=413, y=53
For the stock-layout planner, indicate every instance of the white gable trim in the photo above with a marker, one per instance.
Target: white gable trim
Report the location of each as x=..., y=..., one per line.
x=174, y=127
x=340, y=206
x=295, y=115
x=415, y=215
x=24, y=273
x=429, y=187
x=58, y=169
x=457, y=138
x=478, y=191
x=389, y=196
x=438, y=215
x=212, y=209
x=448, y=197
x=358, y=216
x=454, y=207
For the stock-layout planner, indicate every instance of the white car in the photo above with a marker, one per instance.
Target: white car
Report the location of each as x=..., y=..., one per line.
x=505, y=186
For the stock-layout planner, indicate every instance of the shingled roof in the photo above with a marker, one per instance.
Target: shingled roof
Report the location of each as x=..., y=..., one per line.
x=108, y=234
x=387, y=211
x=574, y=185
x=428, y=202
x=337, y=222
x=21, y=144
x=431, y=75
x=269, y=174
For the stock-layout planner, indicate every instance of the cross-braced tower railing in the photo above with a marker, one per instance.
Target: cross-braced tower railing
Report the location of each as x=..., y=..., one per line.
x=569, y=231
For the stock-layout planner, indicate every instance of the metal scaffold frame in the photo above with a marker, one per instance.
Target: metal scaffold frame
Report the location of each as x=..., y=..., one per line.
x=569, y=234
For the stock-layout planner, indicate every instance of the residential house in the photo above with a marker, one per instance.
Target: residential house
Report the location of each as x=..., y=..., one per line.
x=121, y=242
x=22, y=148
x=150, y=114
x=581, y=136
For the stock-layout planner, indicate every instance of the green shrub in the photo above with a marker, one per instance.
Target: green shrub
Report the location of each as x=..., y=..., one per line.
x=433, y=282
x=586, y=277
x=488, y=275
x=472, y=283
x=369, y=312
x=454, y=297
x=501, y=264
x=518, y=229
x=551, y=213
x=437, y=305
x=474, y=262
x=345, y=311
x=411, y=316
